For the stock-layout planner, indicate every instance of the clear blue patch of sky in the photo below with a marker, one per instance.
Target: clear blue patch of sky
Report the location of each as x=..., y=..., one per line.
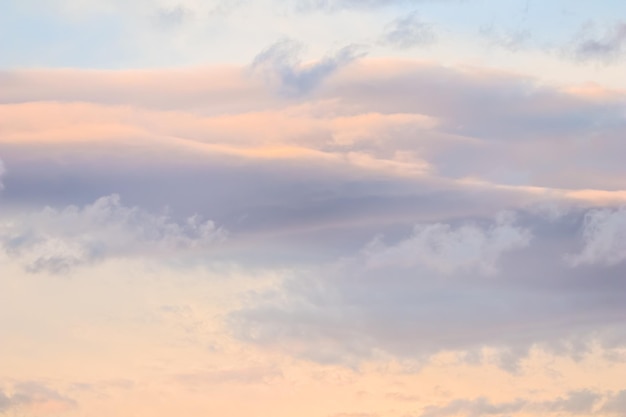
x=43, y=40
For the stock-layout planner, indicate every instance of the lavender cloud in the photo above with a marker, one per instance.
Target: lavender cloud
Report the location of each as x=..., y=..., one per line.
x=58, y=240
x=604, y=234
x=423, y=301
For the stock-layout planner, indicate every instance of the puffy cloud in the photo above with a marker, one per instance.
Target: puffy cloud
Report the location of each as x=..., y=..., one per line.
x=58, y=240
x=604, y=236
x=448, y=288
x=445, y=249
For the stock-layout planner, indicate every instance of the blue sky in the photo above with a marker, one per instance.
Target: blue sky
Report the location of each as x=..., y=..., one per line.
x=111, y=34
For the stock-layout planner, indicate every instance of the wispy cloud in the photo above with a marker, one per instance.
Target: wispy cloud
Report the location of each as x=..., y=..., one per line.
x=282, y=66
x=589, y=45
x=34, y=397
x=575, y=403
x=409, y=31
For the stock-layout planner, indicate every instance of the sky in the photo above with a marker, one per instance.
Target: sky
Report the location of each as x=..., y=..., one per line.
x=312, y=208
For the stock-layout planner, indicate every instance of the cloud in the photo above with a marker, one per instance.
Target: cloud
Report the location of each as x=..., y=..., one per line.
x=409, y=31
x=58, y=240
x=588, y=46
x=33, y=396
x=574, y=403
x=446, y=250
x=402, y=115
x=447, y=288
x=604, y=236
x=2, y=172
x=615, y=405
x=281, y=65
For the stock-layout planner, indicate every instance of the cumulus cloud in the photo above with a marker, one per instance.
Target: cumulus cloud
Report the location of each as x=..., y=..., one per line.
x=459, y=288
x=30, y=395
x=59, y=240
x=282, y=66
x=604, y=235
x=409, y=31
x=590, y=46
x=445, y=249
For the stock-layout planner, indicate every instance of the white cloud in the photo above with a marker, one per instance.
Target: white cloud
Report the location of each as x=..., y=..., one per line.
x=445, y=249
x=58, y=240
x=604, y=235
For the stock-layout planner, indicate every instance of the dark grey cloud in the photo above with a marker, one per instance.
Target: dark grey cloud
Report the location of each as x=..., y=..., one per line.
x=409, y=31
x=462, y=288
x=27, y=394
x=590, y=46
x=281, y=64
